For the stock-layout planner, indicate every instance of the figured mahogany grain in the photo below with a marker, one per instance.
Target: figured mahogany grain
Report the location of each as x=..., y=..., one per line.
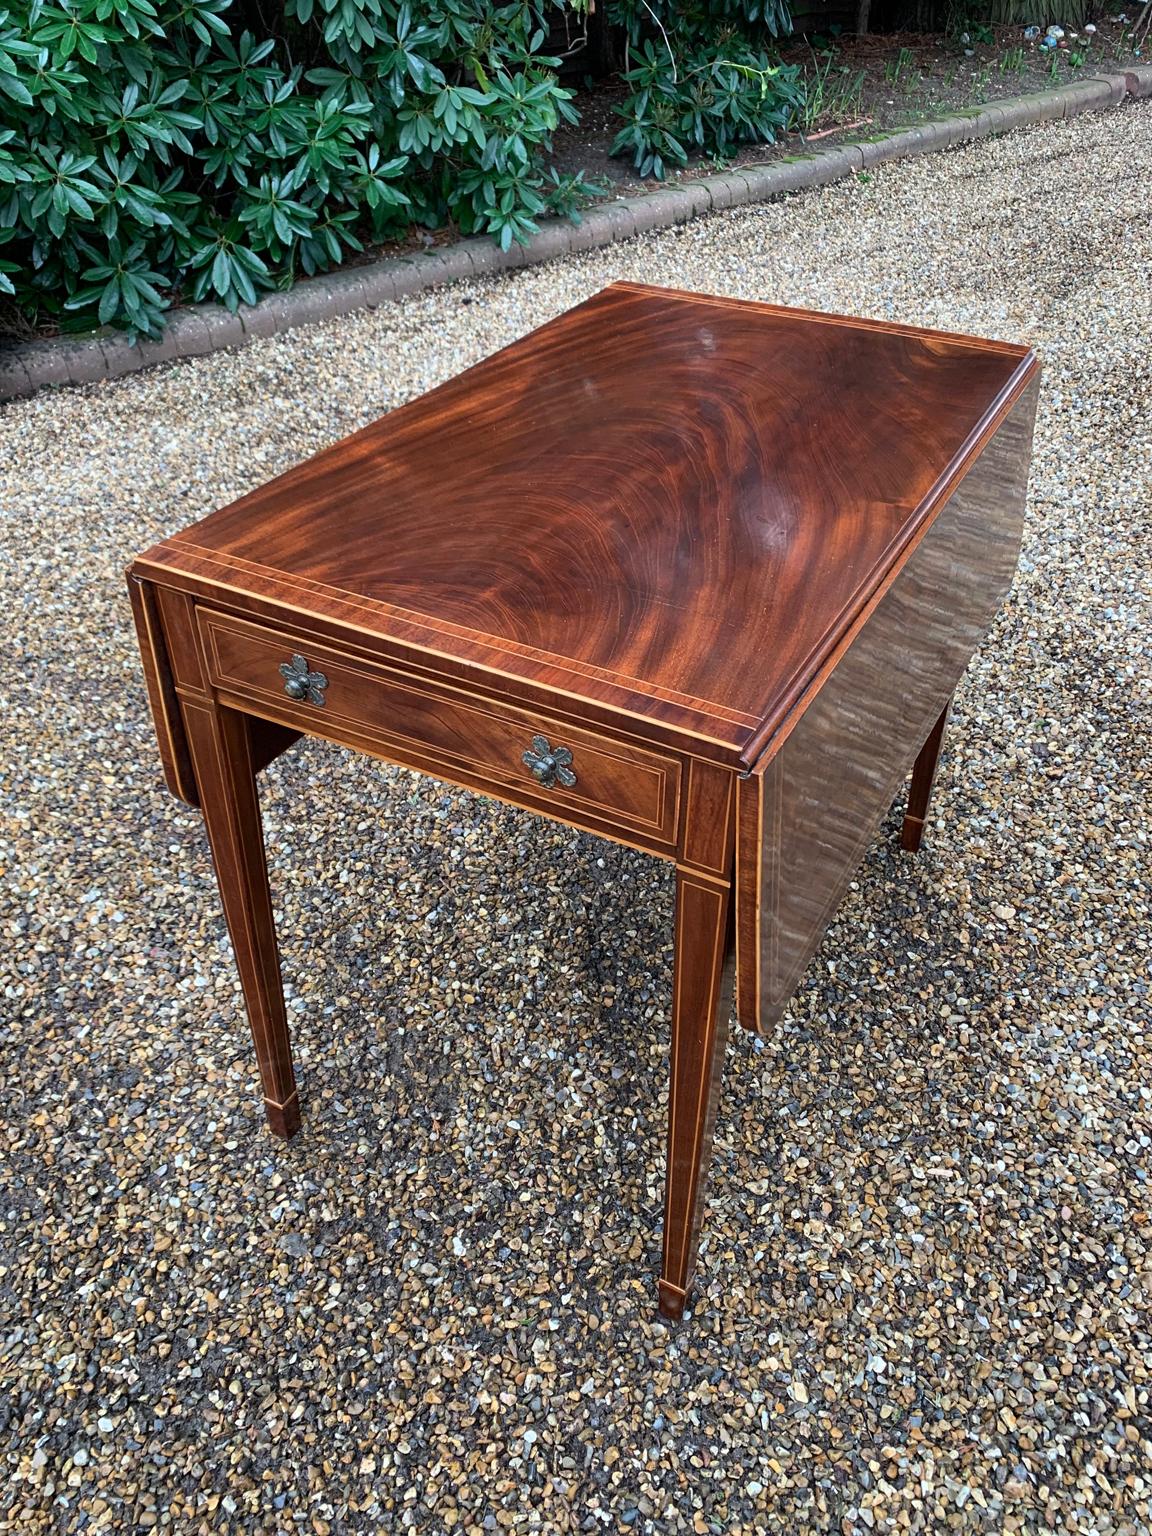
x=821, y=790
x=669, y=504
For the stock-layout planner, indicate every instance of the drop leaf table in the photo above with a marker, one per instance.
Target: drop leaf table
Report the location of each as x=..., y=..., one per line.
x=694, y=574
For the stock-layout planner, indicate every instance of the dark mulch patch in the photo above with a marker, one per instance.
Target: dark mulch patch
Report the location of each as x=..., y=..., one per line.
x=875, y=84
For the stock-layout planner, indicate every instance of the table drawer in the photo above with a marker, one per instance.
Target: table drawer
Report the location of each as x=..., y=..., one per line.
x=319, y=689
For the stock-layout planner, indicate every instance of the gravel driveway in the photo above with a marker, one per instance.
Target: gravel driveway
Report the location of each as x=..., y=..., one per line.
x=925, y=1286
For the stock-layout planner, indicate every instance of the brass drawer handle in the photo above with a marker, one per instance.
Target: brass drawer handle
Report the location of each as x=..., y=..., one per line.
x=549, y=765
x=300, y=683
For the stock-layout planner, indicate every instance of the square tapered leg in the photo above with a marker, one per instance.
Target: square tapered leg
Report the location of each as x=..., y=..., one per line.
x=923, y=778
x=701, y=1010
x=220, y=745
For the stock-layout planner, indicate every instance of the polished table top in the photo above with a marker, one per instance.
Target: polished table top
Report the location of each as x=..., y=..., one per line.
x=665, y=504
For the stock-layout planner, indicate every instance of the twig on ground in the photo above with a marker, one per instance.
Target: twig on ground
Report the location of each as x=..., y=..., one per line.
x=861, y=122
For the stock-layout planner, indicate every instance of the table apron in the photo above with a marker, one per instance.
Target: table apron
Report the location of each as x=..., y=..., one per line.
x=617, y=788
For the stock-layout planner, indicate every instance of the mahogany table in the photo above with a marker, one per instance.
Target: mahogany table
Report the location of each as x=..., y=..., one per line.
x=697, y=575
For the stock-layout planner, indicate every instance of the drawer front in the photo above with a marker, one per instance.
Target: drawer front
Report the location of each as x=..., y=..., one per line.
x=443, y=731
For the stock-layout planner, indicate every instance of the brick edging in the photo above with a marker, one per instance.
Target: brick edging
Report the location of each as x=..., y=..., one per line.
x=205, y=328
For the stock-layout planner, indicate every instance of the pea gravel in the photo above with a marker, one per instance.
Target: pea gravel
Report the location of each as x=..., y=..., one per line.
x=925, y=1283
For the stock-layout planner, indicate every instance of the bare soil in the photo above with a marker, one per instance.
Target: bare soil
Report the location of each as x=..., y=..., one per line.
x=862, y=86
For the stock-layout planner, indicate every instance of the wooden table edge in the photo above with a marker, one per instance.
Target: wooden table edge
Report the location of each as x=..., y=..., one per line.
x=772, y=731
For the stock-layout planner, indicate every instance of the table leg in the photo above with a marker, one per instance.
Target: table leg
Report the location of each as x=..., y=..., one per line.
x=220, y=742
x=701, y=1011
x=923, y=777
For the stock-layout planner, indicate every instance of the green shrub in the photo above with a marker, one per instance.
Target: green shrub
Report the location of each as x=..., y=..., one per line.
x=702, y=79
x=153, y=147
x=161, y=150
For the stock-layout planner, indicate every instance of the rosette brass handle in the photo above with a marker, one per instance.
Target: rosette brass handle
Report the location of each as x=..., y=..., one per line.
x=549, y=765
x=302, y=684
